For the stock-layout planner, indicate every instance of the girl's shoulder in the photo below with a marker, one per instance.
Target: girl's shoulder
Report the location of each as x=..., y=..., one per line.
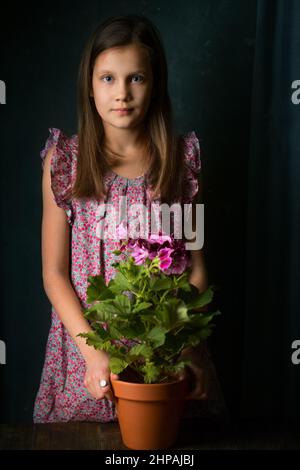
x=192, y=163
x=66, y=147
x=63, y=166
x=191, y=151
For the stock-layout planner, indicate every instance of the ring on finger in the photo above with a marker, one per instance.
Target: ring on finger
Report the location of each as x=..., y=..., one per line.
x=103, y=383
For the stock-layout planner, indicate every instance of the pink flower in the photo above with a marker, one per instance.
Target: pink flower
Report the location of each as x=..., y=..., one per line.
x=173, y=258
x=165, y=258
x=139, y=254
x=159, y=238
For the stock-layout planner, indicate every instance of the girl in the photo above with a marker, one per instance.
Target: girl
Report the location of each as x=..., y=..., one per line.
x=125, y=146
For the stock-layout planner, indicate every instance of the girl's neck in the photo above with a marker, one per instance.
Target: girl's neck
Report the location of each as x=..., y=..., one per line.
x=125, y=142
x=132, y=167
x=130, y=158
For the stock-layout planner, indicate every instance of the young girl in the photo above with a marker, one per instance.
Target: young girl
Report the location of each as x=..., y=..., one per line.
x=125, y=146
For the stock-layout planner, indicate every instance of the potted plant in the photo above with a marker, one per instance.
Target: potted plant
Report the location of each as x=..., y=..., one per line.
x=145, y=318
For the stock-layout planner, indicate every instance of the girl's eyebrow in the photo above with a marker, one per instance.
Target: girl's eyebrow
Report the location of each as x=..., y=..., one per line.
x=109, y=71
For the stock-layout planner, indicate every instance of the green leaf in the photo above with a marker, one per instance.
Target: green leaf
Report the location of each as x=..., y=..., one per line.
x=151, y=372
x=117, y=365
x=188, y=296
x=200, y=335
x=157, y=336
x=123, y=304
x=142, y=306
x=103, y=334
x=182, y=313
x=103, y=311
x=117, y=252
x=201, y=319
x=161, y=284
x=173, y=312
x=163, y=314
x=133, y=331
x=202, y=299
x=134, y=271
x=90, y=314
x=115, y=332
x=174, y=343
x=174, y=369
x=97, y=290
x=141, y=350
x=183, y=283
x=92, y=339
x=119, y=284
x=107, y=346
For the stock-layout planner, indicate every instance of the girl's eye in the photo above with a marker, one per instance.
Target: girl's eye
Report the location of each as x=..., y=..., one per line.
x=103, y=78
x=140, y=76
x=106, y=76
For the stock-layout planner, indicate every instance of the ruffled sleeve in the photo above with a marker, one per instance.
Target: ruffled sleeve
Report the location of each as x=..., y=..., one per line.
x=192, y=162
x=62, y=168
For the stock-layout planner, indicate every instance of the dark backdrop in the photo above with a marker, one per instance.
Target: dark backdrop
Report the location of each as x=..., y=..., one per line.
x=210, y=49
x=271, y=380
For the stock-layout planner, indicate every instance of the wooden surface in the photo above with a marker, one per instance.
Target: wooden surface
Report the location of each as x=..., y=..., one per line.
x=193, y=435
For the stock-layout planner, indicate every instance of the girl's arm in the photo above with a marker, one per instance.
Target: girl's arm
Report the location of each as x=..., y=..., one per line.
x=198, y=276
x=197, y=370
x=59, y=289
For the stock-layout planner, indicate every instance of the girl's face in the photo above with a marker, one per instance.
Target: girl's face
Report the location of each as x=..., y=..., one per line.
x=122, y=78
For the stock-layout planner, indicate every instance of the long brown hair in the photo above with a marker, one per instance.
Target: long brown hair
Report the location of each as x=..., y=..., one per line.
x=164, y=147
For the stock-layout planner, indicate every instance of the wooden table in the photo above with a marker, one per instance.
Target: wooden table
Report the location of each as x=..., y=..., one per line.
x=193, y=434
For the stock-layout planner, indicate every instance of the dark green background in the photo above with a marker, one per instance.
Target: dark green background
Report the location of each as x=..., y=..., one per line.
x=210, y=51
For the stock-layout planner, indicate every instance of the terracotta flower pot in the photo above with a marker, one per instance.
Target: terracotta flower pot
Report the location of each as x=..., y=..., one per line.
x=149, y=414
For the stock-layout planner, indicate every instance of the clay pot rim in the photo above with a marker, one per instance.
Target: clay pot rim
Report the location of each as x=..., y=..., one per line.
x=135, y=384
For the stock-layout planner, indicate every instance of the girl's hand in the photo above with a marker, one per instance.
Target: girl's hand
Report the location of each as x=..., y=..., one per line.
x=96, y=370
x=198, y=278
x=196, y=372
x=198, y=387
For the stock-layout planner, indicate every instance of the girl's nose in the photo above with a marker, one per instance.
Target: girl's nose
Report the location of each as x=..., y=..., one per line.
x=123, y=90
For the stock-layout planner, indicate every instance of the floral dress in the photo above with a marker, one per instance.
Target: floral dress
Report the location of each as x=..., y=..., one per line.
x=62, y=395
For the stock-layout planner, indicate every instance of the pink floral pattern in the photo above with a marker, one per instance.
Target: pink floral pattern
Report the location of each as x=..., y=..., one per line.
x=62, y=395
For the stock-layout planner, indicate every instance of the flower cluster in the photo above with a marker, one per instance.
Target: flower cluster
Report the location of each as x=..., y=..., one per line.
x=147, y=314
x=172, y=255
